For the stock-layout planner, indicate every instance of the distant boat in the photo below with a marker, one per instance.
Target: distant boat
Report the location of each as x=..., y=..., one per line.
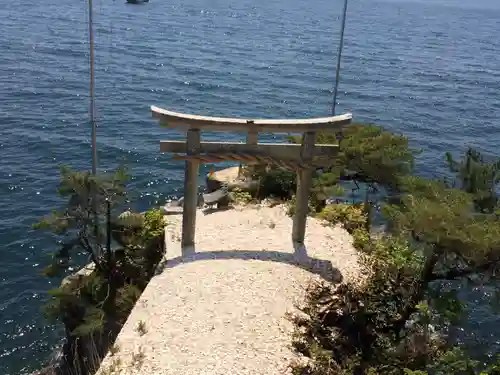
x=137, y=1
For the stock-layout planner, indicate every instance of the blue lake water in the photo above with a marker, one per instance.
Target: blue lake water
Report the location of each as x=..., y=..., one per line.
x=427, y=68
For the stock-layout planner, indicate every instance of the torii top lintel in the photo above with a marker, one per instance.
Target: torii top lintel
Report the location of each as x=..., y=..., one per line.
x=188, y=121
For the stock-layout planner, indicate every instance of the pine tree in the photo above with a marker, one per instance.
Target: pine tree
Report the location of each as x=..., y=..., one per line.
x=477, y=177
x=89, y=198
x=439, y=232
x=123, y=250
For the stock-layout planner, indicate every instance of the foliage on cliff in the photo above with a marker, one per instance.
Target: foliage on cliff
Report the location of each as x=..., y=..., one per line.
x=441, y=236
x=123, y=250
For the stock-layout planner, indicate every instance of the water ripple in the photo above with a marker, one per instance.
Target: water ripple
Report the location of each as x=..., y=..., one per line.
x=423, y=67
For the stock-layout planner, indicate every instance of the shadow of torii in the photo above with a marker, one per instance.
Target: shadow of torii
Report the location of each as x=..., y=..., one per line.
x=298, y=258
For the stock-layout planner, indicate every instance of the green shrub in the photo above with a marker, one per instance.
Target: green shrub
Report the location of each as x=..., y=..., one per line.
x=273, y=182
x=352, y=328
x=395, y=251
x=290, y=206
x=361, y=240
x=154, y=225
x=240, y=196
x=351, y=216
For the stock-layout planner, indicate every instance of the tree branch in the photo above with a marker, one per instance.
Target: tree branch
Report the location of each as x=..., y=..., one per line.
x=84, y=242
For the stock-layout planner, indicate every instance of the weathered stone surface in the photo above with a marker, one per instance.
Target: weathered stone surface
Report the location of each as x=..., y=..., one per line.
x=230, y=177
x=85, y=271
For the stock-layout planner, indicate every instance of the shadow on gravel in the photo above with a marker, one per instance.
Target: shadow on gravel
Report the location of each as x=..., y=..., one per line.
x=298, y=258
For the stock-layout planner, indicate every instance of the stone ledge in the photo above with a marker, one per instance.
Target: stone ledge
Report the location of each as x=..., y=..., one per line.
x=230, y=176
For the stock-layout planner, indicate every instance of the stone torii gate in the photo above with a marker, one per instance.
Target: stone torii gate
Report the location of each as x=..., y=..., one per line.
x=302, y=158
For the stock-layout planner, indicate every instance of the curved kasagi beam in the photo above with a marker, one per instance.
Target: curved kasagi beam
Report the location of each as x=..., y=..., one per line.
x=188, y=121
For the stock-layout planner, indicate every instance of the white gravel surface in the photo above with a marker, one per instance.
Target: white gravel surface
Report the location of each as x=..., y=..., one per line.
x=220, y=308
